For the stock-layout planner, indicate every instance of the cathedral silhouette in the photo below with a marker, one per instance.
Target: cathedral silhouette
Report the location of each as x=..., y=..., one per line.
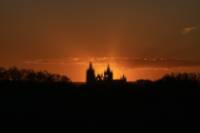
x=107, y=77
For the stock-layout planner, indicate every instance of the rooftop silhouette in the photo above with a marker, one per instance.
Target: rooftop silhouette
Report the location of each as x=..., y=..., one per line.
x=107, y=77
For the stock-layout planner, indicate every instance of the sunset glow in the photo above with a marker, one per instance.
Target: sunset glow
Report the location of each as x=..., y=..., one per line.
x=140, y=38
x=132, y=68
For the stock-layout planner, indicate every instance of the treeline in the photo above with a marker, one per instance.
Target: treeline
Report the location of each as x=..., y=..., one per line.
x=174, y=77
x=15, y=74
x=41, y=95
x=180, y=81
x=182, y=77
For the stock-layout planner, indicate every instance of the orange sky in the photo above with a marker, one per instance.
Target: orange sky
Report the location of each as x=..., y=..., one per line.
x=146, y=38
x=133, y=68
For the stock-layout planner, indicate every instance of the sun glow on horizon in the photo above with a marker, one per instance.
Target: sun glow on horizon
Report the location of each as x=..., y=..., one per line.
x=133, y=68
x=117, y=71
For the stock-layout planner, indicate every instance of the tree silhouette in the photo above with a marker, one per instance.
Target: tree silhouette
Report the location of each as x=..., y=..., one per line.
x=24, y=75
x=25, y=91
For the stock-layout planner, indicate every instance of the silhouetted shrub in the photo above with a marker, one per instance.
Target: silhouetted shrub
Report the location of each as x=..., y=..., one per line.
x=24, y=75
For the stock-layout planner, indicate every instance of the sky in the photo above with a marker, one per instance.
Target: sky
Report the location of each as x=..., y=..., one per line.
x=143, y=39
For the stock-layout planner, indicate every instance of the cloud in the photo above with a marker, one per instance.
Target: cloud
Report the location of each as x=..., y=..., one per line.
x=125, y=62
x=188, y=30
x=129, y=62
x=59, y=61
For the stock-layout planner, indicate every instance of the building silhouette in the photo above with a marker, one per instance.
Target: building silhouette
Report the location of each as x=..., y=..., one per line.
x=90, y=74
x=123, y=78
x=108, y=74
x=106, y=77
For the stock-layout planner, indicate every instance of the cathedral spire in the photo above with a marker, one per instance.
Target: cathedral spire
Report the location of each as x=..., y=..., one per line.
x=108, y=67
x=90, y=65
x=108, y=74
x=90, y=74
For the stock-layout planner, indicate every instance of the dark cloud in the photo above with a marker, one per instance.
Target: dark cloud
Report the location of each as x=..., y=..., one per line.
x=126, y=62
x=189, y=29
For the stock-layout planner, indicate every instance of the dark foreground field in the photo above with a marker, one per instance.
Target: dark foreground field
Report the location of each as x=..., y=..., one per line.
x=171, y=102
x=121, y=107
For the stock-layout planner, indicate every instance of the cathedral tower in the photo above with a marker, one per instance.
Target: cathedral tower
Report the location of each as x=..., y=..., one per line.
x=90, y=74
x=108, y=74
